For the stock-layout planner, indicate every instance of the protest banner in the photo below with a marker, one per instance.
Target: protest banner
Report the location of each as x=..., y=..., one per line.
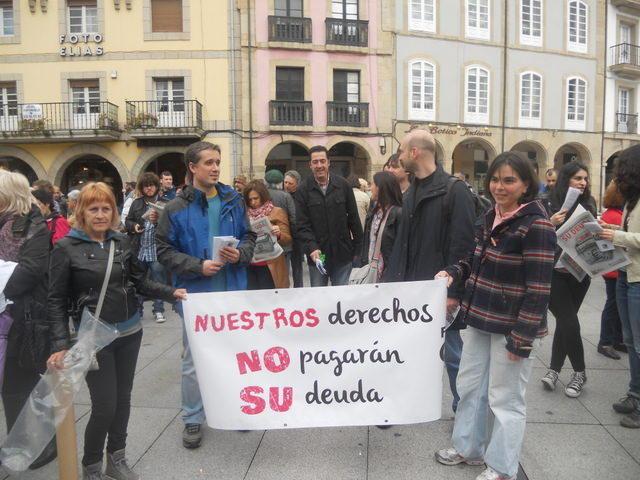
x=581, y=244
x=311, y=357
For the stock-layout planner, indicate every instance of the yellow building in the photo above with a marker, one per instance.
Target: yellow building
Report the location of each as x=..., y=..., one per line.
x=107, y=89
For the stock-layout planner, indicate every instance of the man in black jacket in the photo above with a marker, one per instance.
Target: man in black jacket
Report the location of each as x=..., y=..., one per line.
x=436, y=230
x=327, y=221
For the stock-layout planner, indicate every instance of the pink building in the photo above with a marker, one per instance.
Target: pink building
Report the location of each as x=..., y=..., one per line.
x=316, y=81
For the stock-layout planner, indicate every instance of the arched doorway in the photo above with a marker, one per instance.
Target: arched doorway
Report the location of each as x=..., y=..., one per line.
x=13, y=164
x=288, y=156
x=569, y=153
x=472, y=157
x=171, y=162
x=535, y=153
x=610, y=168
x=347, y=158
x=91, y=168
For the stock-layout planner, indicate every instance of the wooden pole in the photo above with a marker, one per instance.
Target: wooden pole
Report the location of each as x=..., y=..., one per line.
x=67, y=447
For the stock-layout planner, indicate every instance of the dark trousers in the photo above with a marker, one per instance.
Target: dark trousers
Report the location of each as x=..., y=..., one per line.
x=259, y=278
x=567, y=295
x=17, y=386
x=296, y=258
x=110, y=389
x=610, y=326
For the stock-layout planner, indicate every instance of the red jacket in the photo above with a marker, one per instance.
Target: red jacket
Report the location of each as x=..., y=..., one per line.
x=612, y=216
x=59, y=227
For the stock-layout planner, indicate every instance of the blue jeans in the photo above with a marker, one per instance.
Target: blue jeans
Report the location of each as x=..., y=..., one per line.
x=192, y=408
x=628, y=299
x=488, y=380
x=610, y=328
x=338, y=276
x=157, y=273
x=452, y=353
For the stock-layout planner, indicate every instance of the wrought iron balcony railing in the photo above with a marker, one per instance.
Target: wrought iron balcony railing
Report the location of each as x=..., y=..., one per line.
x=289, y=29
x=286, y=112
x=346, y=114
x=157, y=115
x=626, y=123
x=625, y=54
x=352, y=33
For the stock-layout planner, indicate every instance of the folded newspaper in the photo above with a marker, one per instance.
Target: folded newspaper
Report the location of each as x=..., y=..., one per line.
x=267, y=247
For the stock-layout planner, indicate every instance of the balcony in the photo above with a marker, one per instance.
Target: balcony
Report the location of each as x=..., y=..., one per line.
x=346, y=114
x=350, y=33
x=627, y=123
x=625, y=60
x=58, y=122
x=631, y=6
x=164, y=119
x=285, y=112
x=289, y=29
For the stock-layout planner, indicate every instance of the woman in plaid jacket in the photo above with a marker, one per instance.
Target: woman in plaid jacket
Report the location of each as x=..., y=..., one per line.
x=508, y=279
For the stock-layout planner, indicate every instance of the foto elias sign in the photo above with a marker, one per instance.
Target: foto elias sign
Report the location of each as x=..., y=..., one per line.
x=80, y=45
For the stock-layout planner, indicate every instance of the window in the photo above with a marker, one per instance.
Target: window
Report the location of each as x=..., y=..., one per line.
x=577, y=28
x=422, y=90
x=345, y=9
x=531, y=22
x=85, y=95
x=166, y=15
x=8, y=100
x=288, y=8
x=477, y=95
x=6, y=18
x=576, y=103
x=530, y=100
x=346, y=86
x=625, y=122
x=83, y=16
x=289, y=84
x=422, y=15
x=170, y=94
x=478, y=19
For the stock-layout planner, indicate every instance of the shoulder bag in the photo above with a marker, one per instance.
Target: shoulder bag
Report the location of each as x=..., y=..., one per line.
x=369, y=273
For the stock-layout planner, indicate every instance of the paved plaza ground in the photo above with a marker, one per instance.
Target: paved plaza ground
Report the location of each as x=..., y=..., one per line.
x=568, y=439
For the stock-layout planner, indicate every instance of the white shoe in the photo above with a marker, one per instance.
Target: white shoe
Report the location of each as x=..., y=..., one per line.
x=450, y=456
x=160, y=317
x=491, y=474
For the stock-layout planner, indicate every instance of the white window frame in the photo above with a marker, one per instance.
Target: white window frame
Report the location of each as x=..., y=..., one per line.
x=575, y=123
x=577, y=46
x=423, y=25
x=84, y=19
x=476, y=117
x=422, y=113
x=530, y=39
x=477, y=32
x=623, y=127
x=2, y=19
x=530, y=121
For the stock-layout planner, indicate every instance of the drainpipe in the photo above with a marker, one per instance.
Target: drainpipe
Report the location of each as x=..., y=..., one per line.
x=234, y=98
x=504, y=72
x=603, y=164
x=250, y=89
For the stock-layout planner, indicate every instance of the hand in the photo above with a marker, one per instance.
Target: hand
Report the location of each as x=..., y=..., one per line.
x=558, y=218
x=607, y=234
x=315, y=255
x=513, y=357
x=452, y=304
x=230, y=254
x=138, y=228
x=608, y=226
x=275, y=230
x=56, y=360
x=444, y=274
x=180, y=293
x=210, y=268
x=153, y=216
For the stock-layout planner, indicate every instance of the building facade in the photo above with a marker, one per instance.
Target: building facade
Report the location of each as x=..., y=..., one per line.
x=316, y=72
x=107, y=89
x=487, y=76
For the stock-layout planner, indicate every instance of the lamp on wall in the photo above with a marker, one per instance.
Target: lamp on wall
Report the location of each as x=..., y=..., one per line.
x=382, y=143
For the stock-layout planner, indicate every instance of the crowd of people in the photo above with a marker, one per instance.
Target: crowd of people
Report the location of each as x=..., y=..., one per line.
x=497, y=252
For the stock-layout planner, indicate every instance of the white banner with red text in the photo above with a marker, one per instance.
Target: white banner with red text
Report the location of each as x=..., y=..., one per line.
x=319, y=357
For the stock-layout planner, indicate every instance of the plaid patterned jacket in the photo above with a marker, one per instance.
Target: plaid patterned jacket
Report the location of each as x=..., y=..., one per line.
x=508, y=277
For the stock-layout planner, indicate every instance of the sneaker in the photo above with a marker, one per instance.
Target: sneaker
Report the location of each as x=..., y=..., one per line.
x=574, y=388
x=117, y=467
x=621, y=347
x=626, y=404
x=192, y=435
x=632, y=420
x=491, y=474
x=450, y=456
x=549, y=380
x=92, y=472
x=160, y=317
x=608, y=351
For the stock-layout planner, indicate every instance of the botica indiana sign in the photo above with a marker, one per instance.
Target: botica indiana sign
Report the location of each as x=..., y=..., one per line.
x=81, y=45
x=462, y=131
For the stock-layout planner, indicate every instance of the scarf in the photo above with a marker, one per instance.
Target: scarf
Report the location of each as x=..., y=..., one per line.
x=262, y=211
x=9, y=243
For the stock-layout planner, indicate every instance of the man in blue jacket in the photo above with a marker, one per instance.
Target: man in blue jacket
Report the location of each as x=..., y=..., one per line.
x=204, y=209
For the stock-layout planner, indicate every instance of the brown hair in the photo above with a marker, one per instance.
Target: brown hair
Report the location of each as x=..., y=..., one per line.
x=95, y=192
x=612, y=196
x=146, y=179
x=259, y=187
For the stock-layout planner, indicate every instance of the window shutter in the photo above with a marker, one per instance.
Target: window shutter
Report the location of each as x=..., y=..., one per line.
x=80, y=3
x=93, y=83
x=166, y=15
x=6, y=3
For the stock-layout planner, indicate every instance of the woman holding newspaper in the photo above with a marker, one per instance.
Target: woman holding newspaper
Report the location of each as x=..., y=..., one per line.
x=628, y=286
x=567, y=292
x=268, y=268
x=508, y=279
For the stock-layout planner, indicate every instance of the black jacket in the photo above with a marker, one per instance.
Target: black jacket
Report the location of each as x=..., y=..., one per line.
x=434, y=231
x=388, y=235
x=328, y=222
x=27, y=286
x=138, y=208
x=76, y=273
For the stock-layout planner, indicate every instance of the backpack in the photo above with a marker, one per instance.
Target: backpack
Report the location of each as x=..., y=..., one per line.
x=482, y=205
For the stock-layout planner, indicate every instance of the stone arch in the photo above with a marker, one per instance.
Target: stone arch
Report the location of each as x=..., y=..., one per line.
x=26, y=157
x=562, y=153
x=541, y=158
x=360, y=166
x=364, y=145
x=148, y=155
x=463, y=160
x=64, y=159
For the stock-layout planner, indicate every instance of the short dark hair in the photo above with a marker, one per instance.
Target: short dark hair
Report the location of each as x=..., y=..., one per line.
x=260, y=188
x=353, y=181
x=318, y=148
x=44, y=184
x=166, y=173
x=146, y=179
x=393, y=161
x=389, y=193
x=192, y=155
x=550, y=171
x=522, y=168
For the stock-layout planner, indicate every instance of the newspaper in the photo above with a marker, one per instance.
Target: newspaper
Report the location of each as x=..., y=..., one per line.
x=158, y=207
x=580, y=244
x=218, y=243
x=566, y=262
x=267, y=246
x=571, y=198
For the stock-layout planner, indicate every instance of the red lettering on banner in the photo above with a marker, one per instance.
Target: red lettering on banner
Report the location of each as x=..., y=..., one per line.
x=296, y=318
x=274, y=399
x=245, y=317
x=217, y=328
x=313, y=316
x=232, y=322
x=245, y=361
x=201, y=323
x=279, y=316
x=261, y=316
x=251, y=396
x=283, y=359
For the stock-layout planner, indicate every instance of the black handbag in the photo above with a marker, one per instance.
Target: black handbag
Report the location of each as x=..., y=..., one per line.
x=34, y=347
